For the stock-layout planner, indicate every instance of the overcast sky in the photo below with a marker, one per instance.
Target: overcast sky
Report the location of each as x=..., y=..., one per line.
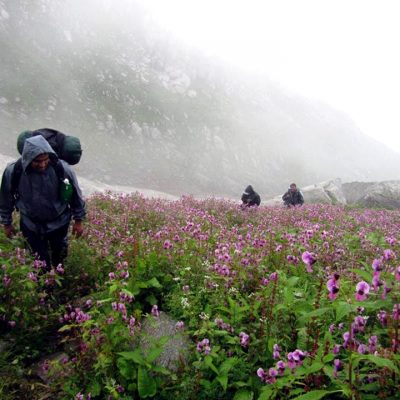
x=345, y=52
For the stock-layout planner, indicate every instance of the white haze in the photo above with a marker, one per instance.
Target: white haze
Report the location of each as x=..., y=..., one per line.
x=344, y=52
x=160, y=101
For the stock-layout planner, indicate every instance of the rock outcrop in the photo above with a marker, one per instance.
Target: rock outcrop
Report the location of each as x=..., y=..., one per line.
x=175, y=351
x=378, y=194
x=329, y=192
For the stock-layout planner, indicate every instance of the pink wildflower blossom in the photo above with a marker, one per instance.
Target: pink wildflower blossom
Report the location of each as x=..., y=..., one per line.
x=362, y=290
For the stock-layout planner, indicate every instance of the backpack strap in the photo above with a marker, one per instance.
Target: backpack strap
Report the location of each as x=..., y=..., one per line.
x=15, y=177
x=58, y=167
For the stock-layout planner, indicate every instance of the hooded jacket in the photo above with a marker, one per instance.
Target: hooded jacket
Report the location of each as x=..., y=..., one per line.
x=250, y=197
x=293, y=198
x=39, y=202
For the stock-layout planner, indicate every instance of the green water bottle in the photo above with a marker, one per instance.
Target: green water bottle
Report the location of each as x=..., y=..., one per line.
x=66, y=190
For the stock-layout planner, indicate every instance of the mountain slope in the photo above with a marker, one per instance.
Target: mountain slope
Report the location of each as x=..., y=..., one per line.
x=154, y=114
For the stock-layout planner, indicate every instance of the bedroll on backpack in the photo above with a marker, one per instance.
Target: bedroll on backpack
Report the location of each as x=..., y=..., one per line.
x=67, y=148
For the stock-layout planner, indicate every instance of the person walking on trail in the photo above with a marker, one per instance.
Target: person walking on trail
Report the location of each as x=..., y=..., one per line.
x=293, y=197
x=45, y=191
x=250, y=197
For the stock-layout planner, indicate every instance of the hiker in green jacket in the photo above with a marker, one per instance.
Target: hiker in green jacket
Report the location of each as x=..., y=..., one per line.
x=47, y=195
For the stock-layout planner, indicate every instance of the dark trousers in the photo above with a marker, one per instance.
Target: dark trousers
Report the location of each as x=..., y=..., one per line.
x=51, y=247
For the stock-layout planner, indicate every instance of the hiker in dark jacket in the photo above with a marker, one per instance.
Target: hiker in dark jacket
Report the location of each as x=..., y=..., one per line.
x=293, y=197
x=250, y=197
x=44, y=215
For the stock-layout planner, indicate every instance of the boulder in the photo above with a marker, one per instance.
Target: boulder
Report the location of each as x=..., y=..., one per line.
x=382, y=194
x=329, y=192
x=175, y=351
x=354, y=191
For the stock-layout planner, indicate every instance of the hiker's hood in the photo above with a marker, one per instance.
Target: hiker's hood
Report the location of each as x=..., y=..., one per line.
x=35, y=146
x=249, y=190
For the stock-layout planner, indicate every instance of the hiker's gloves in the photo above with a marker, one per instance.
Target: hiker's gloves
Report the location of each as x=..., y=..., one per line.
x=9, y=231
x=77, y=229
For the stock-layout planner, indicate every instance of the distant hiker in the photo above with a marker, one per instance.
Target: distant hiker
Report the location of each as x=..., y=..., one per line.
x=45, y=191
x=250, y=197
x=293, y=197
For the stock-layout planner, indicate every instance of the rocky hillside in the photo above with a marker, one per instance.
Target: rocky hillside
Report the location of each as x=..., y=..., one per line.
x=153, y=114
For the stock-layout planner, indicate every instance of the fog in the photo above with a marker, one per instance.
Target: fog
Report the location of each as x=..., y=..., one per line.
x=154, y=112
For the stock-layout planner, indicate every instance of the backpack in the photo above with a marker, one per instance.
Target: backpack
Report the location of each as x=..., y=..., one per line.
x=68, y=148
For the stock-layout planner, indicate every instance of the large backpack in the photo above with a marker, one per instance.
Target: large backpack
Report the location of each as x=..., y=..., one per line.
x=67, y=147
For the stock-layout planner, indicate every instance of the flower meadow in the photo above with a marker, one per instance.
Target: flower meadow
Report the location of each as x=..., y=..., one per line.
x=272, y=303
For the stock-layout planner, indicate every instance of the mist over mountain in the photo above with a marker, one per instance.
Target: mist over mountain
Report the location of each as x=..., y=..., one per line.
x=152, y=113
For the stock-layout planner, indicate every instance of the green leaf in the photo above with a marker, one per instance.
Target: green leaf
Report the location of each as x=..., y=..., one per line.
x=223, y=380
x=65, y=328
x=209, y=363
x=316, y=366
x=227, y=365
x=343, y=309
x=154, y=354
x=126, y=369
x=315, y=395
x=367, y=276
x=147, y=386
x=161, y=370
x=94, y=388
x=134, y=356
x=153, y=282
x=315, y=313
x=113, y=288
x=292, y=281
x=328, y=358
x=243, y=394
x=378, y=361
x=266, y=393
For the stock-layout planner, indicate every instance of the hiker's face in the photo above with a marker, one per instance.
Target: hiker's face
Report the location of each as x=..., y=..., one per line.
x=40, y=163
x=293, y=188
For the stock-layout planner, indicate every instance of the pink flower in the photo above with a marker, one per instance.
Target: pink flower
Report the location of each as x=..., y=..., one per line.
x=309, y=259
x=244, y=339
x=382, y=316
x=333, y=287
x=377, y=264
x=275, y=354
x=396, y=312
x=274, y=276
x=273, y=373
x=6, y=280
x=280, y=365
x=154, y=311
x=362, y=290
x=372, y=342
x=397, y=274
x=389, y=254
x=337, y=366
x=204, y=347
x=168, y=244
x=60, y=269
x=336, y=349
x=362, y=349
x=32, y=276
x=261, y=374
